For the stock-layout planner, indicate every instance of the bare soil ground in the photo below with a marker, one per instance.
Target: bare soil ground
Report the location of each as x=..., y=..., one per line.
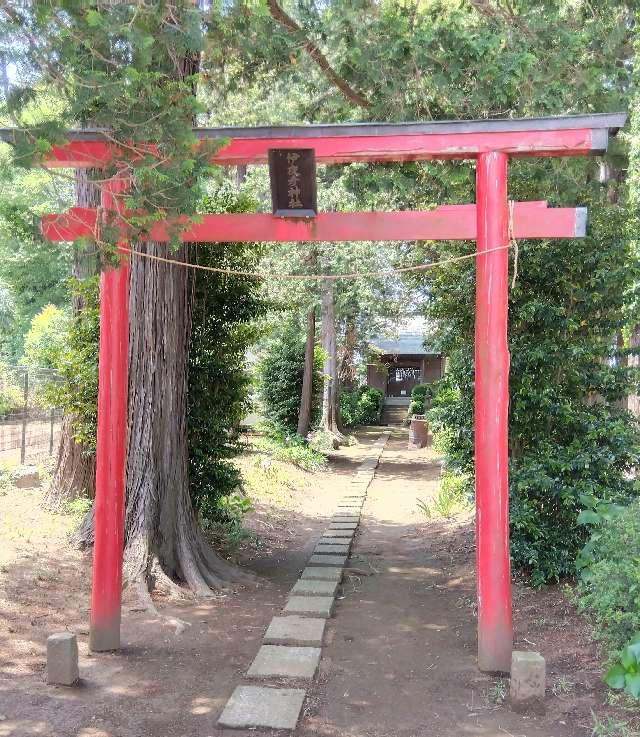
x=400, y=654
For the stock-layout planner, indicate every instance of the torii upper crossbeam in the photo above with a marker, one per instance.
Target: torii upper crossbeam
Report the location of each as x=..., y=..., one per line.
x=491, y=143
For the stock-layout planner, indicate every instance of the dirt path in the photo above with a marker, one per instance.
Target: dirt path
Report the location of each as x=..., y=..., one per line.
x=399, y=658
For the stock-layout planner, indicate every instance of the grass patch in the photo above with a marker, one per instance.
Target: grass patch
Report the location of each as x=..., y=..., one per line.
x=453, y=497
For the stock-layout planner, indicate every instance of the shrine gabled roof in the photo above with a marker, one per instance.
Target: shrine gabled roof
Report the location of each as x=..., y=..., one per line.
x=406, y=344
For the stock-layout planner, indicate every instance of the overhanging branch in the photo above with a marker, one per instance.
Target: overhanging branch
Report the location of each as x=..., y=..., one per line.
x=285, y=20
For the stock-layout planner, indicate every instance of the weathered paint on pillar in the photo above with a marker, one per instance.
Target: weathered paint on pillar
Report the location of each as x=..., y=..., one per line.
x=495, y=627
x=111, y=452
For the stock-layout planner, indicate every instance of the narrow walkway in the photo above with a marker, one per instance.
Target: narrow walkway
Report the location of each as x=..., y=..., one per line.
x=400, y=654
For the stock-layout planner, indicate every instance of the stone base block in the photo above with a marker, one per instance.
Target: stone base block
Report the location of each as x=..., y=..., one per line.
x=527, y=681
x=62, y=659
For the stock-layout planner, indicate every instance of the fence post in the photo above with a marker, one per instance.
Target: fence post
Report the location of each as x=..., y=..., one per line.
x=23, y=442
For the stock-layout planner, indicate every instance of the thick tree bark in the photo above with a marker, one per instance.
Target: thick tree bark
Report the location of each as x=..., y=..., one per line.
x=347, y=370
x=163, y=542
x=306, y=398
x=75, y=473
x=330, y=414
x=160, y=522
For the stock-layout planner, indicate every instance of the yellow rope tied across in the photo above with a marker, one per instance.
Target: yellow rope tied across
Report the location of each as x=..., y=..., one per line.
x=309, y=277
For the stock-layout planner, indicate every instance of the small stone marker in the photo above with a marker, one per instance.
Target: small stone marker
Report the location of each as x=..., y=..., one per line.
x=26, y=477
x=527, y=681
x=327, y=548
x=255, y=706
x=62, y=659
x=306, y=587
x=295, y=630
x=320, y=606
x=318, y=573
x=327, y=560
x=286, y=662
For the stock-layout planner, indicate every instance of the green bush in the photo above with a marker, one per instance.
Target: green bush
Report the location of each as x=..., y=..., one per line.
x=361, y=406
x=225, y=309
x=609, y=587
x=421, y=396
x=280, y=374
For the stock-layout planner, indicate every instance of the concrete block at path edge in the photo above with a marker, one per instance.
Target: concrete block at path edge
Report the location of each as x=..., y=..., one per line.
x=306, y=587
x=327, y=560
x=62, y=659
x=319, y=573
x=527, y=681
x=330, y=549
x=285, y=661
x=338, y=535
x=295, y=630
x=347, y=526
x=319, y=606
x=256, y=706
x=27, y=477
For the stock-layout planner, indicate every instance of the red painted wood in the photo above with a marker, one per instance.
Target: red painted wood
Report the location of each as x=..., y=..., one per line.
x=344, y=149
x=111, y=452
x=495, y=628
x=448, y=222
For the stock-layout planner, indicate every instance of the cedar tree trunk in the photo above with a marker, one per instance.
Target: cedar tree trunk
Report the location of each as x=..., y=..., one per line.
x=330, y=415
x=306, y=398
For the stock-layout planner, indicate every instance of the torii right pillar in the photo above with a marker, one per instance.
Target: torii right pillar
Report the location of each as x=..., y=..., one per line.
x=495, y=625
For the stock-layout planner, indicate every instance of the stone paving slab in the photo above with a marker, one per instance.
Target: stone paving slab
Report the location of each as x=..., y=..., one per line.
x=343, y=526
x=256, y=706
x=306, y=587
x=284, y=661
x=330, y=532
x=327, y=560
x=295, y=631
x=320, y=606
x=334, y=549
x=318, y=573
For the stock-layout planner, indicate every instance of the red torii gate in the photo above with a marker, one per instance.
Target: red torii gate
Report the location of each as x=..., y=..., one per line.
x=491, y=143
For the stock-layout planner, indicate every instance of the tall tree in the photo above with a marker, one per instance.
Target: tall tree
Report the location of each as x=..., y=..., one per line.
x=150, y=55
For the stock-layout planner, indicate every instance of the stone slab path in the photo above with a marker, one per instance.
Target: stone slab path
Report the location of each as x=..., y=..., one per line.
x=310, y=603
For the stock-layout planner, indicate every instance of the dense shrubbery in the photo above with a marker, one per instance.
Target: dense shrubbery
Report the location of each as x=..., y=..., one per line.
x=609, y=586
x=568, y=436
x=361, y=406
x=421, y=397
x=280, y=374
x=77, y=365
x=225, y=309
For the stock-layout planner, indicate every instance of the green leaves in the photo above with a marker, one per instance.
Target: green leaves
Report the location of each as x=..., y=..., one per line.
x=625, y=674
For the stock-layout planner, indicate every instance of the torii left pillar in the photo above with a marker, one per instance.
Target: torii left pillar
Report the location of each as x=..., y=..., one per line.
x=111, y=451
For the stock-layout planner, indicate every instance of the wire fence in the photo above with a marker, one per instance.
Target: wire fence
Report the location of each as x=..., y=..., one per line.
x=30, y=423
